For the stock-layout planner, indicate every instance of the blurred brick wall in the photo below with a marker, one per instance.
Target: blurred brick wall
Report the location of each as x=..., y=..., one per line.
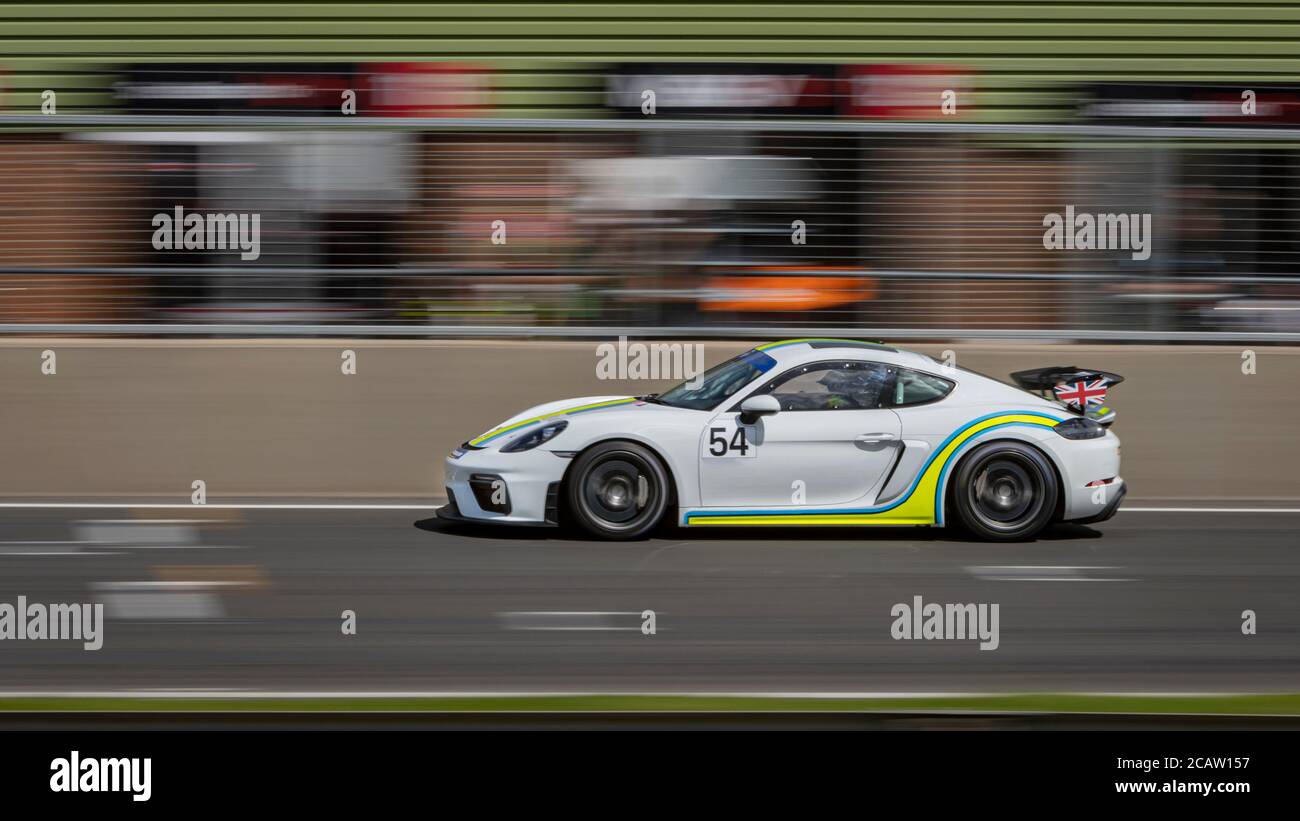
x=948, y=209
x=67, y=204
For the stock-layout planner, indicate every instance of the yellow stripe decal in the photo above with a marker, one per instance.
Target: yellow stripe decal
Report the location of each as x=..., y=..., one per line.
x=504, y=429
x=784, y=342
x=919, y=506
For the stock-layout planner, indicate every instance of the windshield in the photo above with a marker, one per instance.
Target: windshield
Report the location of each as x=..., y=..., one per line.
x=718, y=383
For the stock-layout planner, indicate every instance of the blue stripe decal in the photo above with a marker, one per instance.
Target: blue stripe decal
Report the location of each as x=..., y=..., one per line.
x=938, y=488
x=627, y=404
x=613, y=404
x=917, y=480
x=524, y=426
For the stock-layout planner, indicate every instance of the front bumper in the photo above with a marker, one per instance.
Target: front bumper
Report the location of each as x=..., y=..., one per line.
x=450, y=512
x=528, y=493
x=1108, y=511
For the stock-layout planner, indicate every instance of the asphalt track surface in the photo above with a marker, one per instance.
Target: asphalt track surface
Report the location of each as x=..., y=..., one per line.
x=215, y=600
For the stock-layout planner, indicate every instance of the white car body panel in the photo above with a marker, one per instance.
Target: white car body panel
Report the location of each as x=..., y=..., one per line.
x=882, y=466
x=827, y=460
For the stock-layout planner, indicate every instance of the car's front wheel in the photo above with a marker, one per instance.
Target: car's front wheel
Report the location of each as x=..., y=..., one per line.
x=1005, y=491
x=617, y=490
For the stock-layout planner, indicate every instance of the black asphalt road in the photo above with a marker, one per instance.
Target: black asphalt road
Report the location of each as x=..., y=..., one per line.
x=254, y=600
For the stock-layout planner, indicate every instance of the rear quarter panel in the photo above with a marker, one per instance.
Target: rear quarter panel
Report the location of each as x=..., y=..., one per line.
x=948, y=430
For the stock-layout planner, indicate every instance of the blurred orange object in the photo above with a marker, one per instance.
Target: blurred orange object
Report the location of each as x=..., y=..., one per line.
x=772, y=292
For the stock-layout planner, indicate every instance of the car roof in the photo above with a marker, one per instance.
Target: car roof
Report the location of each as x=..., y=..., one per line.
x=812, y=349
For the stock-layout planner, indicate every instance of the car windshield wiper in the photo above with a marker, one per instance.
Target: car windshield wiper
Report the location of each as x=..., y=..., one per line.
x=652, y=398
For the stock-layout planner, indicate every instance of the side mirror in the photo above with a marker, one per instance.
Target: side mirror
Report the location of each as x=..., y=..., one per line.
x=755, y=406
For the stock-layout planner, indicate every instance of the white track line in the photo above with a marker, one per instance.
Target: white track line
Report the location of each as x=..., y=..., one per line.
x=165, y=585
x=147, y=521
x=43, y=549
x=1046, y=579
x=1209, y=510
x=183, y=506
x=1054, y=573
x=257, y=506
x=566, y=620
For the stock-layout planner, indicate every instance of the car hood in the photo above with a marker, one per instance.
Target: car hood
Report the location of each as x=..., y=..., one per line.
x=562, y=409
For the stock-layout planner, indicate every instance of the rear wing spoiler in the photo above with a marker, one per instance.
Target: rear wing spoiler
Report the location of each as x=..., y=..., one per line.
x=1080, y=389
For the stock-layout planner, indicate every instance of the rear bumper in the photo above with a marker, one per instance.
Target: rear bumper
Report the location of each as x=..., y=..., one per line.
x=1083, y=463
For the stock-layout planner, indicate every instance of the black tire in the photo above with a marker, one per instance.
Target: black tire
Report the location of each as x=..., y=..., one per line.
x=1005, y=492
x=617, y=491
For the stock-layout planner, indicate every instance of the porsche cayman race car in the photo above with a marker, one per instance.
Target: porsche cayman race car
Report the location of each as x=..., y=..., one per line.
x=806, y=432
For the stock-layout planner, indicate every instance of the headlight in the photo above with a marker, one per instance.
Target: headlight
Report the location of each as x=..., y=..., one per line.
x=545, y=433
x=1080, y=428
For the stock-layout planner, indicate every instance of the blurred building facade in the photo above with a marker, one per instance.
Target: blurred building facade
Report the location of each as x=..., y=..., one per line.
x=777, y=176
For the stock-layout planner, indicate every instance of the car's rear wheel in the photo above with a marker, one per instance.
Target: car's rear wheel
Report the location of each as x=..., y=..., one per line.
x=617, y=491
x=1005, y=491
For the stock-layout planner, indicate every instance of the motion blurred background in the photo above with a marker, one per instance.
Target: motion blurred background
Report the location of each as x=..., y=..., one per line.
x=914, y=148
x=490, y=176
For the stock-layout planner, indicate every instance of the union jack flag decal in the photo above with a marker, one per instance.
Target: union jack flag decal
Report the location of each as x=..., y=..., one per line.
x=1082, y=394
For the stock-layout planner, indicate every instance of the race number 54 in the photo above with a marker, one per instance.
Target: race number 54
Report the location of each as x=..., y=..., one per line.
x=728, y=440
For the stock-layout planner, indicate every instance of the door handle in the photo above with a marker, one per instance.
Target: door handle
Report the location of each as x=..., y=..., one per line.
x=876, y=437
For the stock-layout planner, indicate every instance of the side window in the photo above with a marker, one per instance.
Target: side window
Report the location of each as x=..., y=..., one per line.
x=915, y=388
x=829, y=386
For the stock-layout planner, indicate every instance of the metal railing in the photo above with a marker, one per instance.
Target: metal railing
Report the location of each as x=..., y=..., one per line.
x=648, y=226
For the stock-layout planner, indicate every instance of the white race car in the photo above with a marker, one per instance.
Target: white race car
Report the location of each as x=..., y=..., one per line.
x=806, y=432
